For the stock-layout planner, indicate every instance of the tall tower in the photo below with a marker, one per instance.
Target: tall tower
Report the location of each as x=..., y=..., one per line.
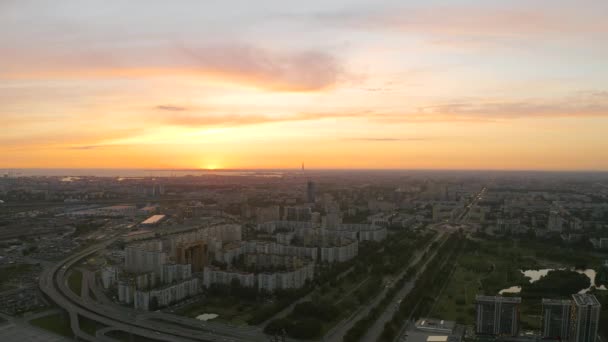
x=556, y=318
x=585, y=318
x=497, y=315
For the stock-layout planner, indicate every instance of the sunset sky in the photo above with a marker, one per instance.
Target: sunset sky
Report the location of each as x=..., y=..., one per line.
x=334, y=83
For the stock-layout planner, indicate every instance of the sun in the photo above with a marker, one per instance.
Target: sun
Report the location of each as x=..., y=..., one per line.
x=210, y=167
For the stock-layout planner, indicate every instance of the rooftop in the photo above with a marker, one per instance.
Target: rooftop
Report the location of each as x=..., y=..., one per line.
x=547, y=301
x=584, y=299
x=500, y=299
x=435, y=325
x=154, y=219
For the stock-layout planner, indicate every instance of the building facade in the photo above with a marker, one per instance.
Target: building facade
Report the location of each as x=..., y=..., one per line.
x=340, y=253
x=213, y=275
x=171, y=273
x=166, y=295
x=556, y=319
x=497, y=315
x=193, y=253
x=147, y=257
x=585, y=318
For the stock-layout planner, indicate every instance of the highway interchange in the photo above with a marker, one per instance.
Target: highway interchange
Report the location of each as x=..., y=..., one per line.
x=159, y=326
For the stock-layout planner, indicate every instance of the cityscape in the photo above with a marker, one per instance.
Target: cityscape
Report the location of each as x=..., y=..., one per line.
x=304, y=171
x=323, y=255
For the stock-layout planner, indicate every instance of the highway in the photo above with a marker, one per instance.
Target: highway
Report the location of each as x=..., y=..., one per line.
x=465, y=214
x=374, y=332
x=53, y=282
x=337, y=333
x=462, y=220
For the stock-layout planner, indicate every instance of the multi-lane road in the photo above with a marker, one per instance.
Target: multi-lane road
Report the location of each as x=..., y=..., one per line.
x=337, y=333
x=159, y=326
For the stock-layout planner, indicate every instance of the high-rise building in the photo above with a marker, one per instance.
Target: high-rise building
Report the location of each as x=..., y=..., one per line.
x=267, y=214
x=556, y=318
x=147, y=257
x=109, y=276
x=298, y=213
x=585, y=318
x=556, y=222
x=174, y=272
x=310, y=192
x=497, y=315
x=193, y=253
x=332, y=220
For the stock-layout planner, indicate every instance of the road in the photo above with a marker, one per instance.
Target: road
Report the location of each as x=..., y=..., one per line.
x=373, y=333
x=53, y=282
x=465, y=214
x=337, y=333
x=306, y=298
x=158, y=325
x=461, y=220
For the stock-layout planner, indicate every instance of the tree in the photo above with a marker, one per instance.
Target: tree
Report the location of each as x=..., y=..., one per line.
x=277, y=326
x=388, y=334
x=557, y=283
x=307, y=328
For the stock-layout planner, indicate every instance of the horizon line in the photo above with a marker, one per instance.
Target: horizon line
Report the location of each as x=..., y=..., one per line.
x=298, y=169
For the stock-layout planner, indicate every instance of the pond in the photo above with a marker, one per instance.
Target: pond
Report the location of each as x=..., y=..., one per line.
x=207, y=316
x=535, y=275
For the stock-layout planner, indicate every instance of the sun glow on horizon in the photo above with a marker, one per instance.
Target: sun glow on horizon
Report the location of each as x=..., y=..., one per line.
x=517, y=86
x=211, y=167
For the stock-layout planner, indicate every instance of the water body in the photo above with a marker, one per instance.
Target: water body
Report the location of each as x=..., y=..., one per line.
x=535, y=275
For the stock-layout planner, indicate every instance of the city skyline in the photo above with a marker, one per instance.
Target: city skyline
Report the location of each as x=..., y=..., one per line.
x=338, y=84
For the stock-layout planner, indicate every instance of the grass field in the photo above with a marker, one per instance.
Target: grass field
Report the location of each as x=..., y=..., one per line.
x=57, y=323
x=89, y=326
x=230, y=309
x=75, y=281
x=486, y=268
x=339, y=299
x=238, y=312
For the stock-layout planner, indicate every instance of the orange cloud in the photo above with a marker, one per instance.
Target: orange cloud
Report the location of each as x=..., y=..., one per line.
x=584, y=104
x=202, y=120
x=243, y=64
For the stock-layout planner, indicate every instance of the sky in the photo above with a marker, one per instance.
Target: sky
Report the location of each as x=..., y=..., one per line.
x=469, y=84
